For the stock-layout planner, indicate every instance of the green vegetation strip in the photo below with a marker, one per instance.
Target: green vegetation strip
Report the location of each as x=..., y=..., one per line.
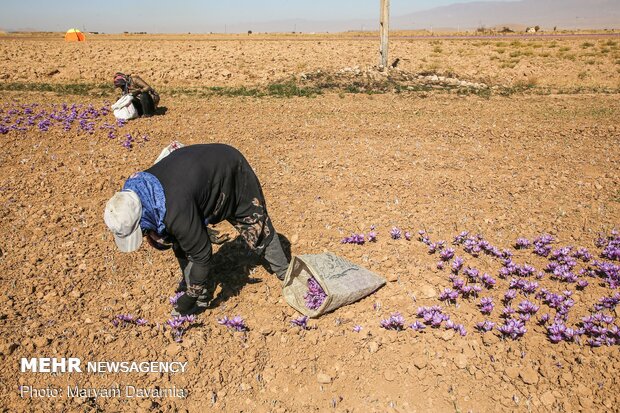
x=63, y=89
x=292, y=88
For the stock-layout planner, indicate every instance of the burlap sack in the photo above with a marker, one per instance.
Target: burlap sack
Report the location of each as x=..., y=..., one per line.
x=343, y=281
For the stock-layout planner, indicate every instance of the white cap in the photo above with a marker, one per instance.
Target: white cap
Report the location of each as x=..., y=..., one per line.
x=122, y=215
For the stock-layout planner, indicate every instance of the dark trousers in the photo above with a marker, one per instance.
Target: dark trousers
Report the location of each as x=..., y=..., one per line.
x=144, y=104
x=273, y=254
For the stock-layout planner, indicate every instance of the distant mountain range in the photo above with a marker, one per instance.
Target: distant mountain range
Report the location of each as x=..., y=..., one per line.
x=563, y=14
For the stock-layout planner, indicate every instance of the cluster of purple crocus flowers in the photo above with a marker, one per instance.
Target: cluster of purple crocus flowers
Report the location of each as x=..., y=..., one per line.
x=85, y=119
x=395, y=322
x=315, y=296
x=173, y=300
x=431, y=316
x=563, y=262
x=360, y=239
x=129, y=140
x=178, y=325
x=124, y=320
x=302, y=322
x=434, y=316
x=610, y=245
x=237, y=323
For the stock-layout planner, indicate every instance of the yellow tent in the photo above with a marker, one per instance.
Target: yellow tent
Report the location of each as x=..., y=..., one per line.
x=74, y=35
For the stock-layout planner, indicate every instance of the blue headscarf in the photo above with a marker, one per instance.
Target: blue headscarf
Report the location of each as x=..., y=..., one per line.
x=151, y=194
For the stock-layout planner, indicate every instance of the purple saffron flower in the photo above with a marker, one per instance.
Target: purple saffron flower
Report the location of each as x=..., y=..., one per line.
x=507, y=312
x=510, y=295
x=529, y=287
x=485, y=326
x=486, y=305
x=583, y=255
x=526, y=270
x=173, y=300
x=471, y=273
x=44, y=125
x=124, y=319
x=417, y=326
x=408, y=235
x=395, y=322
x=517, y=283
x=527, y=307
x=611, y=246
x=357, y=328
x=522, y=243
x=608, y=272
x=189, y=319
x=558, y=332
x=457, y=283
x=504, y=272
x=315, y=296
x=141, y=322
x=541, y=245
x=301, y=322
x=395, y=233
x=544, y=239
x=175, y=323
x=457, y=264
x=608, y=302
x=459, y=239
x=472, y=246
x=447, y=254
x=236, y=323
x=372, y=236
x=432, y=315
x=449, y=294
x=470, y=290
x=512, y=328
x=487, y=280
x=354, y=239
x=423, y=237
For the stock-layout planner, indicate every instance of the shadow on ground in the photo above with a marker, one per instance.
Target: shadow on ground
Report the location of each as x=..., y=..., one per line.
x=233, y=265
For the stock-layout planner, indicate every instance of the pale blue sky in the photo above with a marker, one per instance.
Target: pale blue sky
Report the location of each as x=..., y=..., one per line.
x=196, y=16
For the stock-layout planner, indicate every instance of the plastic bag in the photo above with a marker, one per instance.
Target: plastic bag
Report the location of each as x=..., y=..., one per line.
x=342, y=281
x=124, y=108
x=174, y=145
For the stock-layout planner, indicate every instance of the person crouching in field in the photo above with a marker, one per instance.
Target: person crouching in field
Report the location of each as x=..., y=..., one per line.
x=172, y=202
x=145, y=98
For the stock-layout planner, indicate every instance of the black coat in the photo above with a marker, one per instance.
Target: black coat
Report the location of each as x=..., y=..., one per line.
x=205, y=184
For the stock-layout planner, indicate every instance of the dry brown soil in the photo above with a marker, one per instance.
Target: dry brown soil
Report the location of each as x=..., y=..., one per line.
x=505, y=167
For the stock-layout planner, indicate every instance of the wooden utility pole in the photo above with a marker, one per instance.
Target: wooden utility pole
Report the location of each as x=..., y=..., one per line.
x=385, y=29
